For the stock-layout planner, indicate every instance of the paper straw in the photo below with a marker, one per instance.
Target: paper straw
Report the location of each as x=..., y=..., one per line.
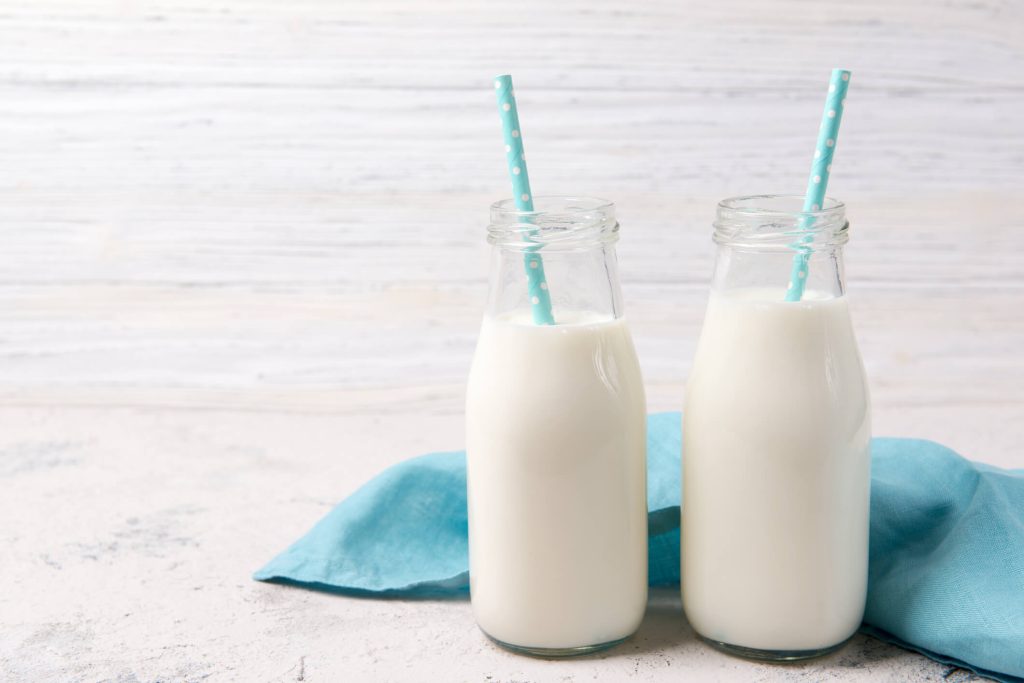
x=828, y=136
x=537, y=286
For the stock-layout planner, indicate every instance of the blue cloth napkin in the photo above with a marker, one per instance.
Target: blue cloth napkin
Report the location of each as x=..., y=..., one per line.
x=947, y=544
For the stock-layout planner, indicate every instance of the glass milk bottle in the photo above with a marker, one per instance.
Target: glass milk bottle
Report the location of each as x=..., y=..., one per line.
x=776, y=431
x=556, y=439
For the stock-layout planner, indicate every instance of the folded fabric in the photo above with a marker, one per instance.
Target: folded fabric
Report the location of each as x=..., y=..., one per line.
x=946, y=573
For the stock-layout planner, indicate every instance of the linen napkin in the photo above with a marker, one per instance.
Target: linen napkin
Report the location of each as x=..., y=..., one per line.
x=946, y=571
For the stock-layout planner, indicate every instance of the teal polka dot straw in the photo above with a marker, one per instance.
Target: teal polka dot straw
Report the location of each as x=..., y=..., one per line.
x=536, y=284
x=828, y=136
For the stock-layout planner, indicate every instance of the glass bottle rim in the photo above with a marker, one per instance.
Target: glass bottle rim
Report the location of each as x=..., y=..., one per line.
x=558, y=222
x=780, y=204
x=778, y=221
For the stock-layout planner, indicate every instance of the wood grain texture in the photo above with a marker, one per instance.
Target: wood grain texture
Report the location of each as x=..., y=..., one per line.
x=243, y=267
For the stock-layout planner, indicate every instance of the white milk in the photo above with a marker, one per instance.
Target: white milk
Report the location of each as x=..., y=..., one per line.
x=556, y=443
x=776, y=474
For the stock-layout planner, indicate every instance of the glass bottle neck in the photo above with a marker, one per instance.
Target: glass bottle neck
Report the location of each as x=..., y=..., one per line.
x=771, y=272
x=561, y=254
x=583, y=284
x=766, y=242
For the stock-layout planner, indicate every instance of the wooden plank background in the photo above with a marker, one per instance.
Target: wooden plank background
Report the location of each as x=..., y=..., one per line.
x=244, y=264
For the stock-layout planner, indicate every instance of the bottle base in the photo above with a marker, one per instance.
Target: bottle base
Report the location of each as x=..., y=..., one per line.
x=772, y=655
x=556, y=652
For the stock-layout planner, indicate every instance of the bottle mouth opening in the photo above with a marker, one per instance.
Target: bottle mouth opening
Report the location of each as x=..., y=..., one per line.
x=505, y=211
x=556, y=222
x=780, y=205
x=769, y=221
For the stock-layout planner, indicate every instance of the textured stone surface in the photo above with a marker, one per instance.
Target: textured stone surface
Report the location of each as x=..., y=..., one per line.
x=128, y=558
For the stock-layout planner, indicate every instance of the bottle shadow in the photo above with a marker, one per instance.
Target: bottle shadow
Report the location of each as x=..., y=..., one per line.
x=663, y=628
x=666, y=631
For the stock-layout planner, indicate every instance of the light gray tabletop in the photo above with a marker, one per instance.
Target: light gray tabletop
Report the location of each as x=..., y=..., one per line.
x=243, y=267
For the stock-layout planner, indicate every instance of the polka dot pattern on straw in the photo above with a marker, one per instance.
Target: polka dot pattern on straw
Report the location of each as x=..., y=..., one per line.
x=536, y=284
x=821, y=168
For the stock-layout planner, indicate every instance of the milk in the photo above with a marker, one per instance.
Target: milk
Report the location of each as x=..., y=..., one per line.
x=556, y=439
x=776, y=474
